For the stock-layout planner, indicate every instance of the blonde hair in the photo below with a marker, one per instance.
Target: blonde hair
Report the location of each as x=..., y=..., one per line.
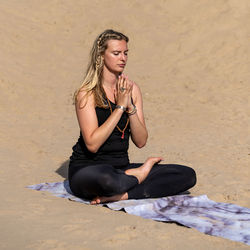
x=92, y=82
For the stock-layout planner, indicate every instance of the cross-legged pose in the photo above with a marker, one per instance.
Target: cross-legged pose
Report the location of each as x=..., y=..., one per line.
x=109, y=111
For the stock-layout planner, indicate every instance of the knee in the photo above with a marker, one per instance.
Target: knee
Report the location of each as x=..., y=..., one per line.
x=191, y=177
x=107, y=184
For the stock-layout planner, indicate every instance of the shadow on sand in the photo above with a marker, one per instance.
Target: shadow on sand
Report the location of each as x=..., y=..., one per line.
x=63, y=169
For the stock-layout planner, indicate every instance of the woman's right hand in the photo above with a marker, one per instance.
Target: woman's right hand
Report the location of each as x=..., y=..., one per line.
x=123, y=91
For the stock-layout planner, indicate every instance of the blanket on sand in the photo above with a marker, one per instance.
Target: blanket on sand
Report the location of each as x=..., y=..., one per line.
x=214, y=218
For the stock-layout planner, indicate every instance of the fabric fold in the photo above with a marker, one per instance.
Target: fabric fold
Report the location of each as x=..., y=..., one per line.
x=225, y=220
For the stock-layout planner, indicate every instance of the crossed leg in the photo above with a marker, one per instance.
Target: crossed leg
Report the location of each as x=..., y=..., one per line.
x=140, y=173
x=104, y=183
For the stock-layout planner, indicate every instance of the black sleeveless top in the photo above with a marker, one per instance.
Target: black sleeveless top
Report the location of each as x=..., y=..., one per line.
x=113, y=151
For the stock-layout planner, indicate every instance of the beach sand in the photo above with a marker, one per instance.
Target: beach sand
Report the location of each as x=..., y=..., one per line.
x=191, y=60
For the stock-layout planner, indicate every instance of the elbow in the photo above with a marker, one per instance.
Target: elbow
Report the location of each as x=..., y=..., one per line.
x=91, y=145
x=141, y=145
x=92, y=148
x=142, y=142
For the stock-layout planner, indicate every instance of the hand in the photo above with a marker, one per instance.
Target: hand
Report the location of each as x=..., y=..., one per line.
x=123, y=91
x=131, y=84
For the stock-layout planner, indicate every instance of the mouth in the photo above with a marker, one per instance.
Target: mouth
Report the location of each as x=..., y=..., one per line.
x=121, y=65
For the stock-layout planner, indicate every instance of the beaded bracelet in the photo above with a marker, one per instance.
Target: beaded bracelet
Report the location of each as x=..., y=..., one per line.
x=133, y=111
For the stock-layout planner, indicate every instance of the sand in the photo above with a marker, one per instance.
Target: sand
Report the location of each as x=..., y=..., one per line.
x=191, y=61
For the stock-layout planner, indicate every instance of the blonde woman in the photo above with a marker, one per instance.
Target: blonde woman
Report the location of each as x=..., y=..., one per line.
x=109, y=110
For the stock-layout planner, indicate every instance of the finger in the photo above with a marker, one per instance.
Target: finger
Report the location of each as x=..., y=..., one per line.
x=125, y=85
x=128, y=86
x=122, y=82
x=118, y=85
x=130, y=91
x=130, y=82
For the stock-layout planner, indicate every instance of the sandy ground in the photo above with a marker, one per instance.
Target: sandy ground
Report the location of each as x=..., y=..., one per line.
x=191, y=60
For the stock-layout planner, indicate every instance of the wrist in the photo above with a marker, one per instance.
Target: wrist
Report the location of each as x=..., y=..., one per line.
x=131, y=111
x=130, y=107
x=123, y=108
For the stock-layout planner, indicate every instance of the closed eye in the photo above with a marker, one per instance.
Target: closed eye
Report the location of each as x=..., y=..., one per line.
x=116, y=53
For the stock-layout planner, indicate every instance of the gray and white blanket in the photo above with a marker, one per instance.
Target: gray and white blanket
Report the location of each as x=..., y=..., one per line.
x=214, y=218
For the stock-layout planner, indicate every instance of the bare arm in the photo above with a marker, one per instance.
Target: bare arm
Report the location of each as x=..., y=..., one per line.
x=94, y=136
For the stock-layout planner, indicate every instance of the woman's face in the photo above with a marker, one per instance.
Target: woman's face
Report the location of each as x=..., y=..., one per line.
x=115, y=56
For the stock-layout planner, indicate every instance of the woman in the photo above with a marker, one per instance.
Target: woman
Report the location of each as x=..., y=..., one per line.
x=109, y=110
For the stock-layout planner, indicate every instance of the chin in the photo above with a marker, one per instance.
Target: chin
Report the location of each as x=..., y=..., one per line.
x=118, y=72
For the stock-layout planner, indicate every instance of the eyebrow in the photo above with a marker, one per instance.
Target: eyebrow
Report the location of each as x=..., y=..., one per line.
x=120, y=50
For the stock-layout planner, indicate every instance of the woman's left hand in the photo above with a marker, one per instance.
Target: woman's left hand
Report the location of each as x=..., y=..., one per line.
x=130, y=85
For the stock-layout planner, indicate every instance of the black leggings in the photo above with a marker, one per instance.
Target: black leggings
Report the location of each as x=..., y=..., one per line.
x=105, y=180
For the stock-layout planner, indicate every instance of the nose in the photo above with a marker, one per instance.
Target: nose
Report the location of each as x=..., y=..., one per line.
x=123, y=57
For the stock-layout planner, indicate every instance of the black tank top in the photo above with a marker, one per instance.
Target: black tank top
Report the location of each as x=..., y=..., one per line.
x=114, y=150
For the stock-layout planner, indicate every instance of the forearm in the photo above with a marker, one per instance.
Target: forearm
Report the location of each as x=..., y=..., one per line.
x=101, y=133
x=139, y=132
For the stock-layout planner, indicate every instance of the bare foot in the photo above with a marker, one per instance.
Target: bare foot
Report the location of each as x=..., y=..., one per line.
x=103, y=199
x=142, y=172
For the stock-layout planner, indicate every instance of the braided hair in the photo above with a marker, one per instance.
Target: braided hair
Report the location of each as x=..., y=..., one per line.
x=93, y=77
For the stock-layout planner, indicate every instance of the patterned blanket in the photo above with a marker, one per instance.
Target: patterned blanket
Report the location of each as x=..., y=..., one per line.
x=214, y=218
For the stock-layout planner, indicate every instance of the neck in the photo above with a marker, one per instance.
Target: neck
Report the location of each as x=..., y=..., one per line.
x=109, y=79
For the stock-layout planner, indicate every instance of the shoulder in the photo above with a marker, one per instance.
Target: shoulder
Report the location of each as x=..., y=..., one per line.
x=136, y=88
x=84, y=98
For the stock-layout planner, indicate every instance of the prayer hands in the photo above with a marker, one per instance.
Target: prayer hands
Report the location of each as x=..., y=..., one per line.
x=123, y=93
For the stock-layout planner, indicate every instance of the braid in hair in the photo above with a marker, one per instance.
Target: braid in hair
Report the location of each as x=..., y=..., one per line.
x=99, y=60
